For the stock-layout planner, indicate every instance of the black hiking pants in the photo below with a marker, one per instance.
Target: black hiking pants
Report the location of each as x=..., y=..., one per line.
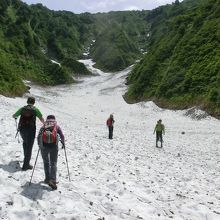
x=159, y=137
x=28, y=136
x=110, y=128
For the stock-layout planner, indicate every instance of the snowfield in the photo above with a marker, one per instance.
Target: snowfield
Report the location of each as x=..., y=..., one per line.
x=124, y=178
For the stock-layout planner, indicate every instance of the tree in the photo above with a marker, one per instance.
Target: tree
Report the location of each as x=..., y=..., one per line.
x=177, y=2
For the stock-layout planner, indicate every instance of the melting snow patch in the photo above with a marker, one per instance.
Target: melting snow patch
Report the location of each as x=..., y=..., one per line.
x=196, y=113
x=53, y=61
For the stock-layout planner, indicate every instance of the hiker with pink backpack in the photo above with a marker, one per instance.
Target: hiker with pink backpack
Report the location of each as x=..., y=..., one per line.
x=48, y=138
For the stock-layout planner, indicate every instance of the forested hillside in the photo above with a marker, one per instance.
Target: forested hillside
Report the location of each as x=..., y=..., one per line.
x=32, y=36
x=182, y=66
x=121, y=40
x=29, y=38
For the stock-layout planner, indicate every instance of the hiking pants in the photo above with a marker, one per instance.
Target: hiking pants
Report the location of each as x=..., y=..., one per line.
x=159, y=137
x=49, y=154
x=110, y=128
x=28, y=136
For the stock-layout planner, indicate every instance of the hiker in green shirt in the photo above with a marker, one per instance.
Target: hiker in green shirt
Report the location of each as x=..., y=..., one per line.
x=160, y=130
x=27, y=128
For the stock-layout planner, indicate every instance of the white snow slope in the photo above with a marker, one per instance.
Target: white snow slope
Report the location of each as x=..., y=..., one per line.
x=124, y=178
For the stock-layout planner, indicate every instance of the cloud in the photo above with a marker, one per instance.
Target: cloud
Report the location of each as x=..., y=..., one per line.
x=118, y=5
x=98, y=6
x=94, y=6
x=131, y=7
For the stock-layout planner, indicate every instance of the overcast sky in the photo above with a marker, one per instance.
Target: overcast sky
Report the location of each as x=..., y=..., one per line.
x=93, y=6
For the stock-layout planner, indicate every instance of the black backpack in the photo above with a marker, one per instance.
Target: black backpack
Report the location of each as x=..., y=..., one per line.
x=28, y=117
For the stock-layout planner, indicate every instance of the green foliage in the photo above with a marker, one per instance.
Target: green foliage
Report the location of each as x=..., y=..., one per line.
x=182, y=65
x=29, y=37
x=181, y=68
x=113, y=50
x=57, y=74
x=32, y=35
x=10, y=82
x=75, y=66
x=3, y=7
x=120, y=38
x=214, y=96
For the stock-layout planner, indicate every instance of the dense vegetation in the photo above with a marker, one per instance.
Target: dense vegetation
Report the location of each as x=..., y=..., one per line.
x=182, y=66
x=120, y=42
x=32, y=36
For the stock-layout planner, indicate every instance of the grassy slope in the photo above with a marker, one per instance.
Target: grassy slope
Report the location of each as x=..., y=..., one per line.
x=181, y=68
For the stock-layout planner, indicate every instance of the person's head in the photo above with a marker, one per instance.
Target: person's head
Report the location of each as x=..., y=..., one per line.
x=160, y=121
x=30, y=100
x=49, y=117
x=111, y=116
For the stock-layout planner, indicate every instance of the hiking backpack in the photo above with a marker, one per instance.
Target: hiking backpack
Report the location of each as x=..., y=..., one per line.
x=109, y=122
x=28, y=117
x=49, y=134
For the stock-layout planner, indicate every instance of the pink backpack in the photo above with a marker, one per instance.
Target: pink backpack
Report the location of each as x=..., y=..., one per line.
x=50, y=132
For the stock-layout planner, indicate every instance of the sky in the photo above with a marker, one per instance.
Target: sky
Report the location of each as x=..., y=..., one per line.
x=93, y=6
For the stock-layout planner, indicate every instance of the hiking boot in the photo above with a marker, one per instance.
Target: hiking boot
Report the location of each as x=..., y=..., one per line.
x=46, y=181
x=28, y=167
x=52, y=184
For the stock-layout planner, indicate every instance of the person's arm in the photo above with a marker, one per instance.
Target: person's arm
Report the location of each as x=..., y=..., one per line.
x=39, y=137
x=42, y=120
x=163, y=129
x=155, y=129
x=17, y=113
x=59, y=131
x=39, y=115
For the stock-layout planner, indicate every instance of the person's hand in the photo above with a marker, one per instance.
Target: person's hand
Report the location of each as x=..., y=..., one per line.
x=63, y=145
x=42, y=120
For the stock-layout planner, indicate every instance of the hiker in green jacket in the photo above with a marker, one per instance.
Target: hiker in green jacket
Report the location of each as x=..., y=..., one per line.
x=160, y=130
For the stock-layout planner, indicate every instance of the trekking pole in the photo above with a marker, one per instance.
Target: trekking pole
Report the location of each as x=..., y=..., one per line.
x=64, y=147
x=17, y=133
x=34, y=166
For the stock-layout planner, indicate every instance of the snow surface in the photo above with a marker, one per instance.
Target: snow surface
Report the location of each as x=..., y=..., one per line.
x=124, y=178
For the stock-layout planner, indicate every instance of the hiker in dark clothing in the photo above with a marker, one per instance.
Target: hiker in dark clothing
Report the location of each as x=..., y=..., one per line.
x=48, y=138
x=160, y=130
x=110, y=123
x=27, y=128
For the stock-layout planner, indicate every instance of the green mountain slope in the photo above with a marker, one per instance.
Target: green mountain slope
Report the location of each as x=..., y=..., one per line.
x=121, y=38
x=32, y=36
x=180, y=69
x=182, y=66
x=26, y=52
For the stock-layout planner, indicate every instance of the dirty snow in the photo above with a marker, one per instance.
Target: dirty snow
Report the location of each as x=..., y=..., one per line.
x=124, y=178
